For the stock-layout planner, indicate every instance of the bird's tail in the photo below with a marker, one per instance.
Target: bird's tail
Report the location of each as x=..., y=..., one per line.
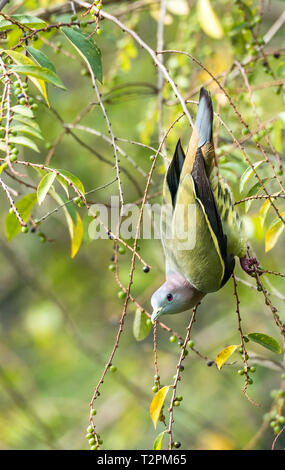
x=204, y=118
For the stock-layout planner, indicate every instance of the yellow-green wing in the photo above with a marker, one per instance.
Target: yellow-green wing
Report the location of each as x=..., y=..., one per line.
x=231, y=221
x=194, y=248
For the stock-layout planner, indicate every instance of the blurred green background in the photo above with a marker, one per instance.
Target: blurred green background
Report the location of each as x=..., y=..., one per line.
x=59, y=316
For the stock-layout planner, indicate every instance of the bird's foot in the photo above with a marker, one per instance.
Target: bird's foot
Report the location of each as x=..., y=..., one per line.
x=250, y=265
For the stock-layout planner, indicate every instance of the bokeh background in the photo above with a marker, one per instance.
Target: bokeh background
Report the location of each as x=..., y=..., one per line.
x=59, y=316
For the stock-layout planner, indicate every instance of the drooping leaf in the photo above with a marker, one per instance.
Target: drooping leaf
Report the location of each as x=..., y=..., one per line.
x=254, y=191
x=24, y=61
x=208, y=19
x=225, y=354
x=274, y=232
x=140, y=326
x=28, y=121
x=158, y=441
x=24, y=207
x=247, y=174
x=44, y=186
x=22, y=111
x=25, y=141
x=26, y=130
x=264, y=211
x=41, y=58
x=74, y=179
x=77, y=235
x=41, y=73
x=157, y=403
x=266, y=341
x=26, y=20
x=87, y=49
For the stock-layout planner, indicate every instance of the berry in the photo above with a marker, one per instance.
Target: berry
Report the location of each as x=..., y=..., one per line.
x=176, y=403
x=34, y=106
x=180, y=398
x=99, y=31
x=240, y=372
x=90, y=429
x=93, y=448
x=74, y=18
x=245, y=131
x=209, y=363
x=112, y=267
x=252, y=369
x=172, y=339
x=92, y=441
x=25, y=229
x=148, y=322
x=22, y=101
x=89, y=435
x=177, y=444
x=21, y=95
x=13, y=158
x=113, y=368
x=146, y=269
x=190, y=344
x=93, y=412
x=181, y=368
x=122, y=295
x=154, y=389
x=122, y=250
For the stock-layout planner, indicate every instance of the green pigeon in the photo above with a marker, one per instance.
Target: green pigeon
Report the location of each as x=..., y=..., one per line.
x=201, y=231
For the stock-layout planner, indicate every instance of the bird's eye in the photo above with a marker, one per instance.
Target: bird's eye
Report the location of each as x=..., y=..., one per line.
x=169, y=297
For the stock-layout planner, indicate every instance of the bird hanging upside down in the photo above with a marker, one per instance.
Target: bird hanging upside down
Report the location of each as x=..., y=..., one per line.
x=201, y=258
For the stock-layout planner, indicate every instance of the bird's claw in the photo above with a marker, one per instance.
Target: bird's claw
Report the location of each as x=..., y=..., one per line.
x=250, y=265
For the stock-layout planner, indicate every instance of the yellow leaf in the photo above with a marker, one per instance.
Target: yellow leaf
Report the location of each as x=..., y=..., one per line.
x=156, y=404
x=77, y=235
x=208, y=19
x=264, y=211
x=21, y=59
x=224, y=355
x=273, y=233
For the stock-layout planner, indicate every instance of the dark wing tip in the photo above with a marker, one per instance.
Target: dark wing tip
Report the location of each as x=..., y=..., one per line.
x=174, y=170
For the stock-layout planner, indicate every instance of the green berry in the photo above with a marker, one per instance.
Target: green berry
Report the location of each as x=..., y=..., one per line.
x=89, y=435
x=283, y=376
x=176, y=403
x=122, y=250
x=11, y=210
x=22, y=101
x=34, y=107
x=252, y=369
x=74, y=18
x=180, y=398
x=112, y=267
x=276, y=429
x=92, y=441
x=240, y=372
x=99, y=6
x=90, y=429
x=84, y=72
x=15, y=151
x=172, y=339
x=93, y=412
x=282, y=419
x=148, y=322
x=154, y=389
x=100, y=441
x=250, y=381
x=122, y=295
x=113, y=368
x=13, y=158
x=99, y=31
x=190, y=344
x=25, y=229
x=245, y=131
x=93, y=448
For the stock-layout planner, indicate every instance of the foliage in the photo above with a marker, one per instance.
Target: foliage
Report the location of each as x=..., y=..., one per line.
x=93, y=101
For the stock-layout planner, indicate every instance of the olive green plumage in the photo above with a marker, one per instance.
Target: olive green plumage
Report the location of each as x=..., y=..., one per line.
x=212, y=227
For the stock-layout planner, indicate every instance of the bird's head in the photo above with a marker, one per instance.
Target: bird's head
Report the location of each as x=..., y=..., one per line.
x=174, y=296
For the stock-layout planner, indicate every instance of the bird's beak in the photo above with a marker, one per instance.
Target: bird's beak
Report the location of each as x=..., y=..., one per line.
x=156, y=314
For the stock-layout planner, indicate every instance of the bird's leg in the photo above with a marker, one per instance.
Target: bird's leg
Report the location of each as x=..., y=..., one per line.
x=247, y=263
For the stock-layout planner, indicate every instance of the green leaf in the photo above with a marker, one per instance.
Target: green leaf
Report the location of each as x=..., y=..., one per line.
x=23, y=111
x=44, y=186
x=24, y=207
x=140, y=327
x=254, y=191
x=225, y=354
x=26, y=130
x=264, y=211
x=156, y=404
x=25, y=61
x=25, y=141
x=247, y=174
x=41, y=73
x=274, y=232
x=41, y=58
x=27, y=121
x=266, y=341
x=74, y=180
x=158, y=441
x=208, y=19
x=26, y=20
x=87, y=49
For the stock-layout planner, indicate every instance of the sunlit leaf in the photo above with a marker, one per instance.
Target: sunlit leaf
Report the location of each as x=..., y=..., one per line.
x=77, y=235
x=140, y=326
x=264, y=211
x=41, y=58
x=208, y=19
x=225, y=354
x=266, y=341
x=28, y=121
x=26, y=130
x=44, y=186
x=24, y=61
x=179, y=7
x=24, y=207
x=27, y=20
x=40, y=73
x=247, y=174
x=87, y=49
x=22, y=110
x=274, y=232
x=74, y=180
x=25, y=141
x=157, y=403
x=158, y=441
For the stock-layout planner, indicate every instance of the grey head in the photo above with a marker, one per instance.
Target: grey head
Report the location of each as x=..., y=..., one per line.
x=174, y=296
